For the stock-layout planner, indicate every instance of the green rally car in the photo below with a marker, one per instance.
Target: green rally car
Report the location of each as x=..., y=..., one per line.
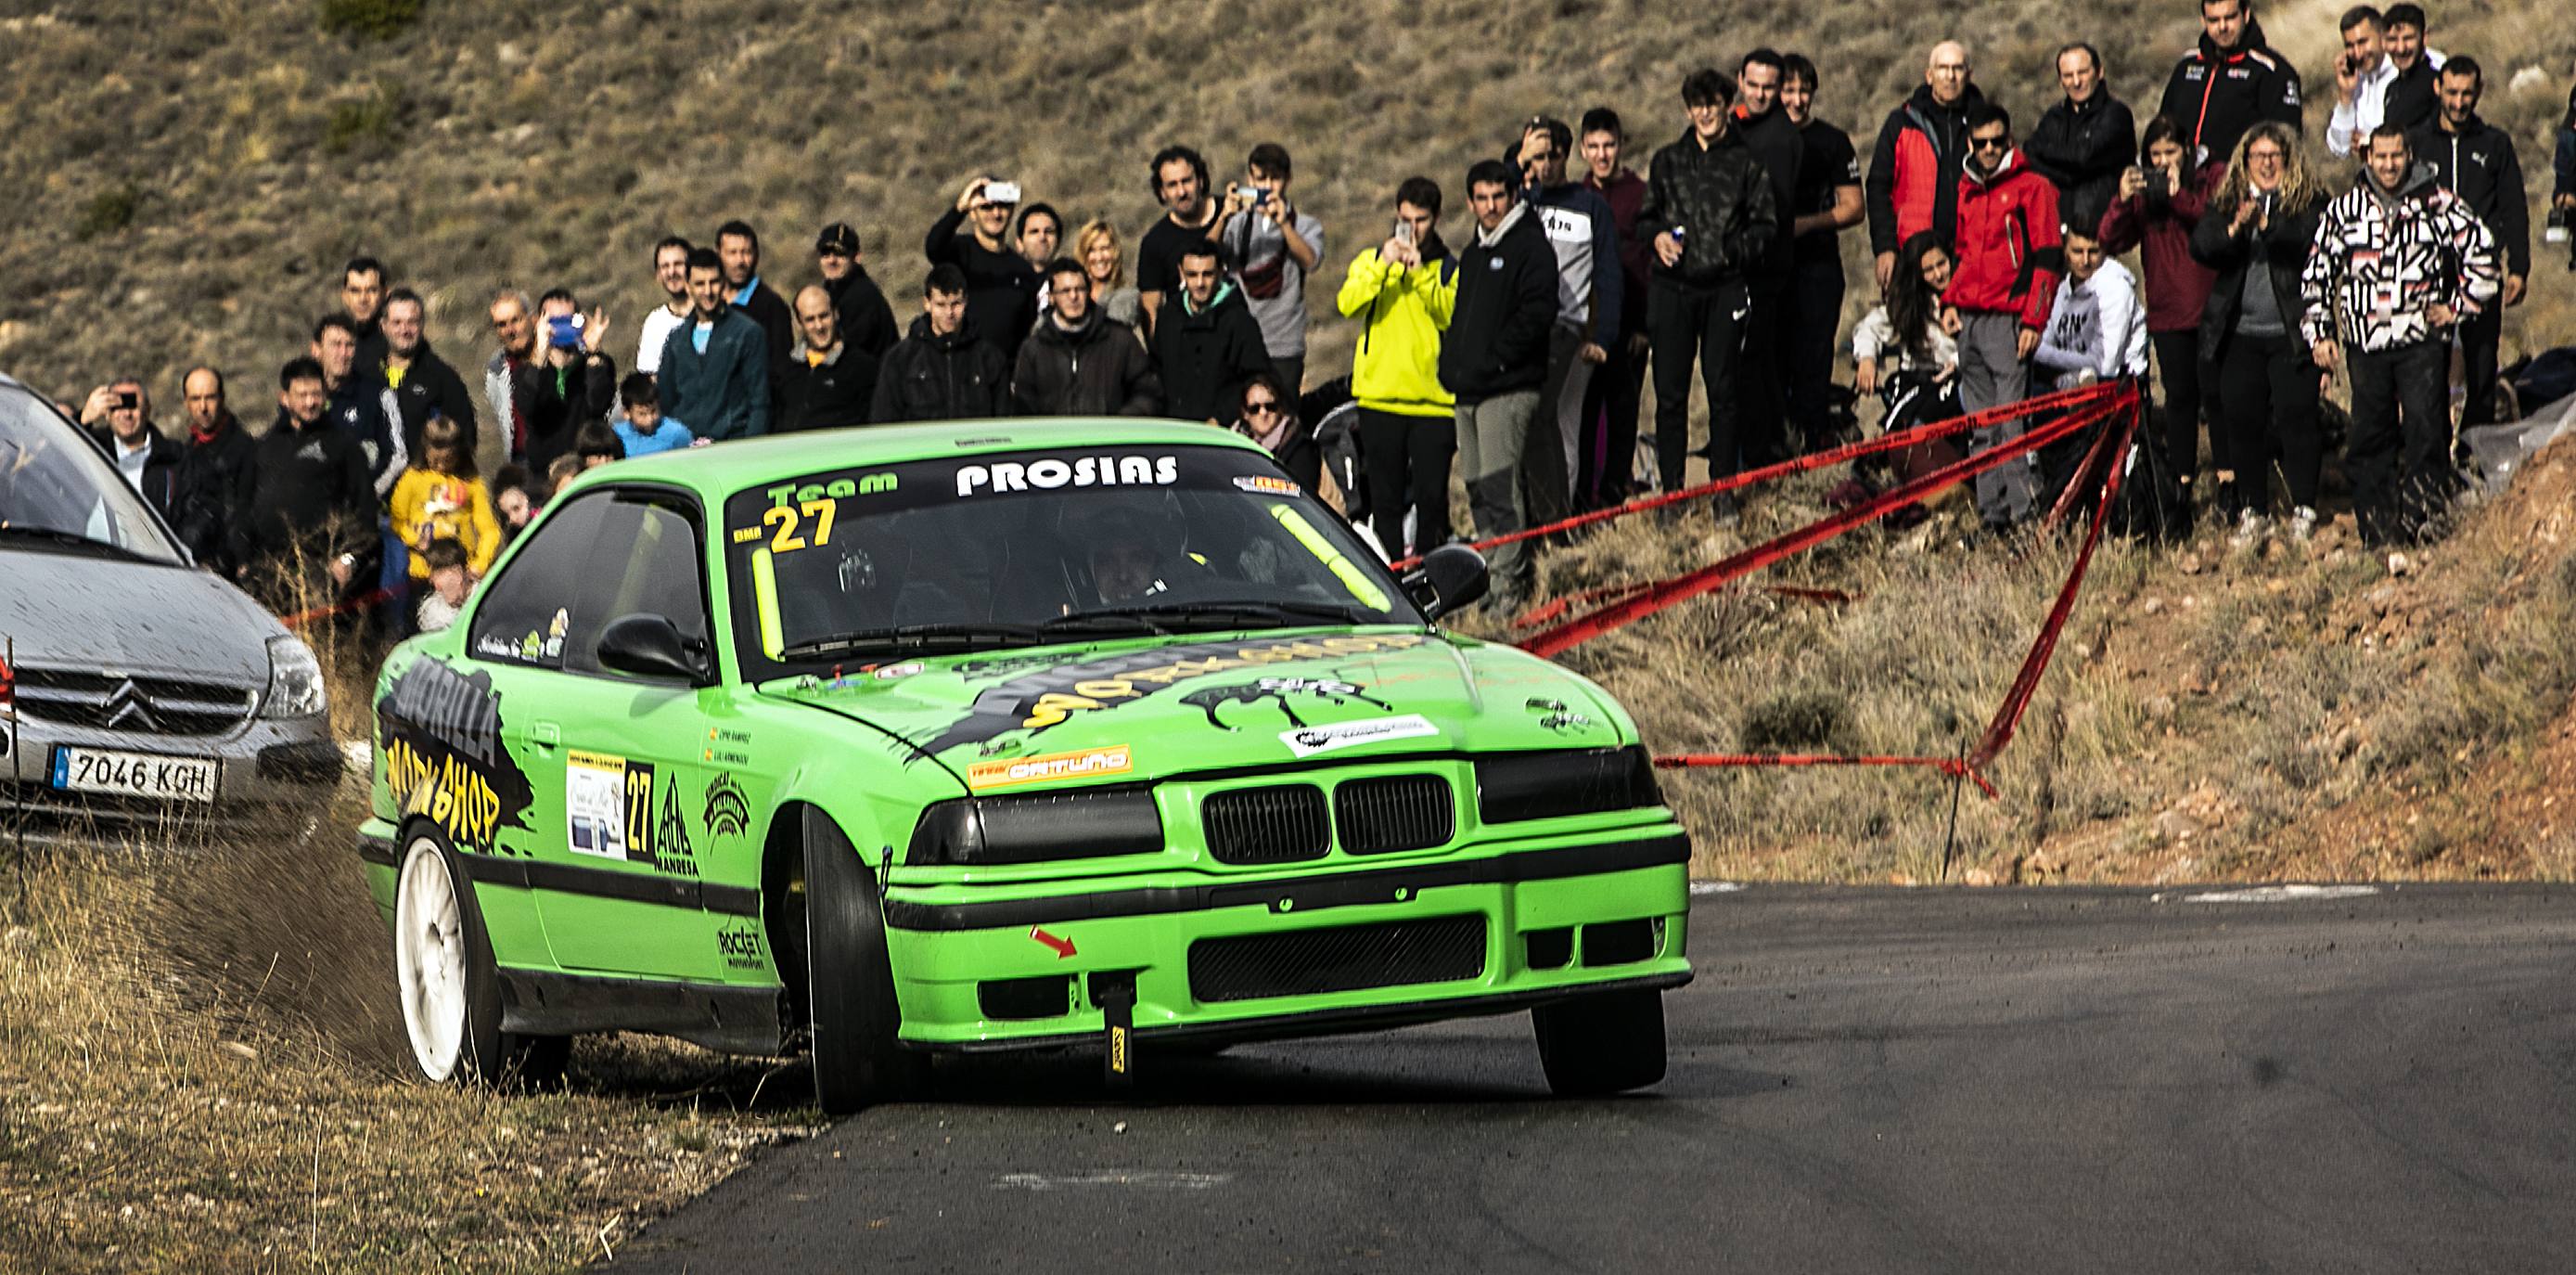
x=999, y=735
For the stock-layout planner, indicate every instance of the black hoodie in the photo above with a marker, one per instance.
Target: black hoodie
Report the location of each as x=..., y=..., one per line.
x=940, y=378
x=2478, y=165
x=311, y=490
x=2216, y=97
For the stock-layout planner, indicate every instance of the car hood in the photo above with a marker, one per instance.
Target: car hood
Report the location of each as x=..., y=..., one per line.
x=1128, y=711
x=83, y=612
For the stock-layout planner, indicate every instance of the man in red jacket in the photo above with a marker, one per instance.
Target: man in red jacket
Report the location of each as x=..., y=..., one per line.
x=2009, y=257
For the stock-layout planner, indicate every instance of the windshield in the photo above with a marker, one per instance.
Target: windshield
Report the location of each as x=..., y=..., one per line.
x=56, y=490
x=1023, y=548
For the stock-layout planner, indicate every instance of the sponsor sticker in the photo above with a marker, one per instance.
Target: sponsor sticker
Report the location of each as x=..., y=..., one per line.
x=595, y=804
x=1046, y=473
x=1266, y=484
x=1080, y=764
x=1306, y=741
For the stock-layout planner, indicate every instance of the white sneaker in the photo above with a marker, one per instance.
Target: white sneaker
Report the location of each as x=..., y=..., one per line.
x=2303, y=523
x=2249, y=527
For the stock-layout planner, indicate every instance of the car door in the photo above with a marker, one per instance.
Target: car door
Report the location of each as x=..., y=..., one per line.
x=614, y=758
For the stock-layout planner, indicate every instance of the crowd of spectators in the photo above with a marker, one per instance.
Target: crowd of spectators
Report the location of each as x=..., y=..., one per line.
x=1516, y=358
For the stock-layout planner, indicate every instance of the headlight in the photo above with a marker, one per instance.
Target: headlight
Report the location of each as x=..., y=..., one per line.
x=1034, y=829
x=1517, y=786
x=294, y=679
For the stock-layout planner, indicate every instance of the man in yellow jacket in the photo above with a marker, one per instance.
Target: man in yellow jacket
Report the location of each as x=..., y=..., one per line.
x=1404, y=291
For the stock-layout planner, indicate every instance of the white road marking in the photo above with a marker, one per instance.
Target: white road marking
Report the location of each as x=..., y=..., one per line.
x=2282, y=894
x=1716, y=887
x=1154, y=1179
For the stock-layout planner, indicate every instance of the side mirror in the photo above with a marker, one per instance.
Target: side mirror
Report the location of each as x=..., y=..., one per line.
x=648, y=646
x=1450, y=579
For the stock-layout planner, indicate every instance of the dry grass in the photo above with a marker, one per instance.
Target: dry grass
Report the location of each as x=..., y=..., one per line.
x=202, y=1068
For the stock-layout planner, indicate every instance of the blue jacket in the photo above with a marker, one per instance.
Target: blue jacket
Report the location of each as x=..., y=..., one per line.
x=723, y=393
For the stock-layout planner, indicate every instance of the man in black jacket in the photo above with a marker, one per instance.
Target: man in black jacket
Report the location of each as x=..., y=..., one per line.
x=942, y=371
x=1709, y=217
x=738, y=247
x=1001, y=285
x=867, y=322
x=2476, y=161
x=217, y=471
x=119, y=417
x=313, y=509
x=423, y=384
x=2229, y=83
x=2413, y=97
x=358, y=403
x=2085, y=142
x=362, y=298
x=1207, y=344
x=829, y=385
x=1761, y=391
x=1081, y=362
x=1493, y=359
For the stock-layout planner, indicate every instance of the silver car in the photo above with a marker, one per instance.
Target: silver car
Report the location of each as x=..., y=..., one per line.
x=137, y=693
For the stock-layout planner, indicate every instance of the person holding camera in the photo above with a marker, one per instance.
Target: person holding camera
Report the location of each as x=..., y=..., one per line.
x=2159, y=204
x=715, y=367
x=576, y=382
x=2475, y=160
x=1001, y=285
x=1403, y=292
x=1274, y=247
x=119, y=417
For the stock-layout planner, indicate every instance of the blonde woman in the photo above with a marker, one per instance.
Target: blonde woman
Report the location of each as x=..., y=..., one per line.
x=1096, y=247
x=2256, y=235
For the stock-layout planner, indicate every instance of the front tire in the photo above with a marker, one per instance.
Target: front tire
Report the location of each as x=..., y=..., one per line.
x=850, y=982
x=1601, y=1044
x=451, y=994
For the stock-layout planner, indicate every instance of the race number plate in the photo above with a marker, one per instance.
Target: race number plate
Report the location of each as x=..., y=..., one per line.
x=146, y=775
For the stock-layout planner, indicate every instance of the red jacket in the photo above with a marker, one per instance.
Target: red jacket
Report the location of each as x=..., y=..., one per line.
x=2177, y=284
x=2010, y=252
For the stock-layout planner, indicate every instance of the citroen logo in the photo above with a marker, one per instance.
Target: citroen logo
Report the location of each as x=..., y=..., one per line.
x=127, y=710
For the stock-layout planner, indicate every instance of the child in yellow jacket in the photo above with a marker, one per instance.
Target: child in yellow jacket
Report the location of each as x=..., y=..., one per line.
x=440, y=497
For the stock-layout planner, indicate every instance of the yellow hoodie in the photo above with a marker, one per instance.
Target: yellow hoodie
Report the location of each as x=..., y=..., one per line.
x=427, y=505
x=1398, y=368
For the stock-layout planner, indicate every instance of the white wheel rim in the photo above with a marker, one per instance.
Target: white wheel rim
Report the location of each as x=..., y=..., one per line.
x=429, y=961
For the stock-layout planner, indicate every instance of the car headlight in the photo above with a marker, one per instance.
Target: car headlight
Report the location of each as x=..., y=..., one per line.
x=294, y=679
x=971, y=831
x=1517, y=786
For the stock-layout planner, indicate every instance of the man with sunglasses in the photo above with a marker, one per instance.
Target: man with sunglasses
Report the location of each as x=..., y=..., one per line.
x=2009, y=257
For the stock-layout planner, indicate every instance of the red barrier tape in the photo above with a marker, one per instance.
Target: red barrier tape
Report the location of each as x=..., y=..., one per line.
x=2083, y=396
x=2007, y=719
x=1690, y=585
x=371, y=598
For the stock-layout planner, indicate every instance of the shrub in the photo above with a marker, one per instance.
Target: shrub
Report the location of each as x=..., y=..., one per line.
x=368, y=125
x=107, y=212
x=1796, y=722
x=368, y=19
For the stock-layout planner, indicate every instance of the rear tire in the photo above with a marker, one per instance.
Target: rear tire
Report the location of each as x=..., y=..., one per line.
x=850, y=982
x=1601, y=1044
x=450, y=991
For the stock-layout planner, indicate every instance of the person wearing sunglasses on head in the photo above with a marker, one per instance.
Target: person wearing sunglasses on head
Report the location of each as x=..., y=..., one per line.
x=1269, y=417
x=2009, y=257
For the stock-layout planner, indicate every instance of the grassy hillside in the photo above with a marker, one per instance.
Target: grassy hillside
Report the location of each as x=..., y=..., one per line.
x=185, y=180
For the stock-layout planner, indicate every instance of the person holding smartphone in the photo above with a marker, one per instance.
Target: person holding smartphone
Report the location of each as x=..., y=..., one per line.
x=1273, y=247
x=1403, y=292
x=2159, y=204
x=2363, y=74
x=119, y=417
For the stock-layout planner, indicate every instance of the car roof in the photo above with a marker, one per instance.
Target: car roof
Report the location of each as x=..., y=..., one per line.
x=755, y=462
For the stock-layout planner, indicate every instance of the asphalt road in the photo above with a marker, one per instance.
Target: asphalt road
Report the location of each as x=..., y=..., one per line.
x=1874, y=1080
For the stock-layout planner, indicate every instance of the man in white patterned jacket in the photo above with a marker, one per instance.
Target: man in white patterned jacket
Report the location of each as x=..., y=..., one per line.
x=2397, y=261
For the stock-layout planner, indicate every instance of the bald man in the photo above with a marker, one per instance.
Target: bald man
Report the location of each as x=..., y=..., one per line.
x=828, y=384
x=215, y=473
x=1914, y=170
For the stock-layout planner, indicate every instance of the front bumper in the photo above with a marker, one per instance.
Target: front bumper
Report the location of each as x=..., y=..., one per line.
x=268, y=773
x=1485, y=931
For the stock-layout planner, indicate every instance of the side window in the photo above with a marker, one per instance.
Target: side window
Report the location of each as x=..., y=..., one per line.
x=533, y=614
x=648, y=560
